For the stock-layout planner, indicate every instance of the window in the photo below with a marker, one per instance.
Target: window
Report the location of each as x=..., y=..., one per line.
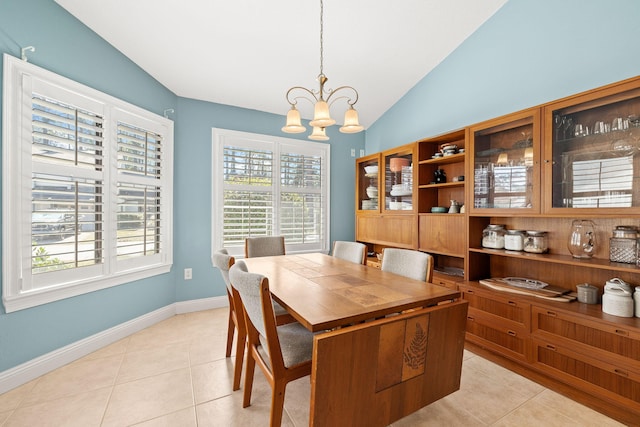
x=265, y=186
x=87, y=182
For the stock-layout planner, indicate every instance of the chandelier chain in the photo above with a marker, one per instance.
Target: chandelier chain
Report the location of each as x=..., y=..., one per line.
x=321, y=37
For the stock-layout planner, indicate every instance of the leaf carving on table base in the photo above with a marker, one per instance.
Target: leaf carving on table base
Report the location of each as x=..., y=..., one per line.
x=416, y=350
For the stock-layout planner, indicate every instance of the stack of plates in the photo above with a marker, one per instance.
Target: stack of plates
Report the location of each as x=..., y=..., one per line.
x=368, y=205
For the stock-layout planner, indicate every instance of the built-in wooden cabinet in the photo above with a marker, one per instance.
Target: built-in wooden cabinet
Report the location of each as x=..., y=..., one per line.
x=398, y=195
x=504, y=171
x=591, y=159
x=537, y=169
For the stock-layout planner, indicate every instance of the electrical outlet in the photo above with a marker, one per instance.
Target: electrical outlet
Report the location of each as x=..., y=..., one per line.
x=361, y=153
x=353, y=152
x=188, y=274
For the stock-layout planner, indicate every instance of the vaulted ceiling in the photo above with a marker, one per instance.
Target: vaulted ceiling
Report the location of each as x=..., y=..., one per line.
x=247, y=53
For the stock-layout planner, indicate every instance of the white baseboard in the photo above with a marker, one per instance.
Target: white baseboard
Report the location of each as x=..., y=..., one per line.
x=21, y=374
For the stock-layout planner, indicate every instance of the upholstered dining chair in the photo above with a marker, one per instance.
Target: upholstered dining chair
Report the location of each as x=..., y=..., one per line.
x=288, y=347
x=263, y=246
x=350, y=251
x=413, y=264
x=223, y=261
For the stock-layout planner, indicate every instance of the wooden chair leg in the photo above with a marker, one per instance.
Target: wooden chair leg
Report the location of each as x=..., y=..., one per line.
x=230, y=332
x=277, y=403
x=237, y=369
x=248, y=379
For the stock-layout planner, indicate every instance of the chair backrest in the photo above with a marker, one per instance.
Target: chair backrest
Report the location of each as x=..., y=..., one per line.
x=413, y=264
x=263, y=246
x=255, y=297
x=350, y=251
x=223, y=261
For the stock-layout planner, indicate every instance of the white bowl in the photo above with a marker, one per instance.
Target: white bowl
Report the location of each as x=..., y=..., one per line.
x=371, y=169
x=372, y=192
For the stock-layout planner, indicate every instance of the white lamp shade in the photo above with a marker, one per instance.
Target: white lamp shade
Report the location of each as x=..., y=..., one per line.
x=318, y=134
x=351, y=122
x=321, y=116
x=294, y=124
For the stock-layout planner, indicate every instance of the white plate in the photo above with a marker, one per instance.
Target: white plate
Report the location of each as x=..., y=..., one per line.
x=399, y=193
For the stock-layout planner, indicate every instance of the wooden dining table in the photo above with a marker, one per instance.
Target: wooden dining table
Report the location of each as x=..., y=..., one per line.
x=323, y=292
x=385, y=345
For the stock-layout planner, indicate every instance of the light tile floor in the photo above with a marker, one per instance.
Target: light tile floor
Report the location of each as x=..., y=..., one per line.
x=175, y=374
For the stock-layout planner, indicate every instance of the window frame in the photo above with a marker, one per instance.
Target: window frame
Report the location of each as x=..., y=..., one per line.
x=260, y=141
x=18, y=291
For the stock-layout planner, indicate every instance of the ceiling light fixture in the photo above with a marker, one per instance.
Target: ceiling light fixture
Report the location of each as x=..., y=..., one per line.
x=321, y=115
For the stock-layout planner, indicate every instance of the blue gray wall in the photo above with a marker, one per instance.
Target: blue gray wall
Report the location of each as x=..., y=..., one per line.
x=192, y=198
x=59, y=38
x=530, y=52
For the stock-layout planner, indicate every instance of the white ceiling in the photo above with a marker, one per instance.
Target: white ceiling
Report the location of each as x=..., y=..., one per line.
x=247, y=53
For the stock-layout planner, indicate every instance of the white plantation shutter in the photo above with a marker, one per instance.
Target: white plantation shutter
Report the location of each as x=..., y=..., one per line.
x=139, y=210
x=265, y=186
x=67, y=179
x=301, y=219
x=247, y=193
x=88, y=184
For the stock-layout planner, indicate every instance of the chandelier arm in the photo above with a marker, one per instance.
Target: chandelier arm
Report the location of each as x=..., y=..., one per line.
x=294, y=100
x=334, y=91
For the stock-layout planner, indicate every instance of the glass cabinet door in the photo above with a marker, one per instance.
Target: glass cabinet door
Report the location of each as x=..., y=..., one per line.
x=368, y=183
x=398, y=179
x=505, y=165
x=593, y=159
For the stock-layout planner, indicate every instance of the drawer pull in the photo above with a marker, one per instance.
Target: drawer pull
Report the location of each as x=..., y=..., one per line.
x=551, y=313
x=621, y=372
x=469, y=291
x=622, y=332
x=513, y=303
x=512, y=333
x=551, y=347
x=471, y=319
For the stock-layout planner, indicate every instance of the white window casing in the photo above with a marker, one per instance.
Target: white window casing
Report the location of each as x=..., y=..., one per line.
x=87, y=189
x=265, y=185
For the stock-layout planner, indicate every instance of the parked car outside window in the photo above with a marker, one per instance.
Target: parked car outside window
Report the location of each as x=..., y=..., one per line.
x=51, y=225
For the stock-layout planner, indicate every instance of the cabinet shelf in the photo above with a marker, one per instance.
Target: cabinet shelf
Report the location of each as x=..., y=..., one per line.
x=454, y=158
x=596, y=263
x=444, y=184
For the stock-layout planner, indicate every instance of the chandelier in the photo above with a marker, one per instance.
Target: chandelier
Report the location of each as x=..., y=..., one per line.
x=323, y=99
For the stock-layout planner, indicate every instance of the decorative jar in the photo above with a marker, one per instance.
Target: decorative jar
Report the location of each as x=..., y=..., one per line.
x=623, y=244
x=493, y=236
x=536, y=242
x=514, y=240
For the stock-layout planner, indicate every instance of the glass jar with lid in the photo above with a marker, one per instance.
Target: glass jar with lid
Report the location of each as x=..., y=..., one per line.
x=514, y=240
x=536, y=242
x=622, y=246
x=493, y=236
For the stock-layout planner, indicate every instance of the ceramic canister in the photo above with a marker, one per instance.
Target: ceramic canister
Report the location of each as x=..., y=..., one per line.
x=617, y=301
x=636, y=298
x=587, y=293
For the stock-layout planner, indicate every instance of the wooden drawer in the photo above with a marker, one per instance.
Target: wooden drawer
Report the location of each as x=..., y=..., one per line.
x=374, y=262
x=498, y=305
x=447, y=281
x=608, y=381
x=611, y=343
x=511, y=342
